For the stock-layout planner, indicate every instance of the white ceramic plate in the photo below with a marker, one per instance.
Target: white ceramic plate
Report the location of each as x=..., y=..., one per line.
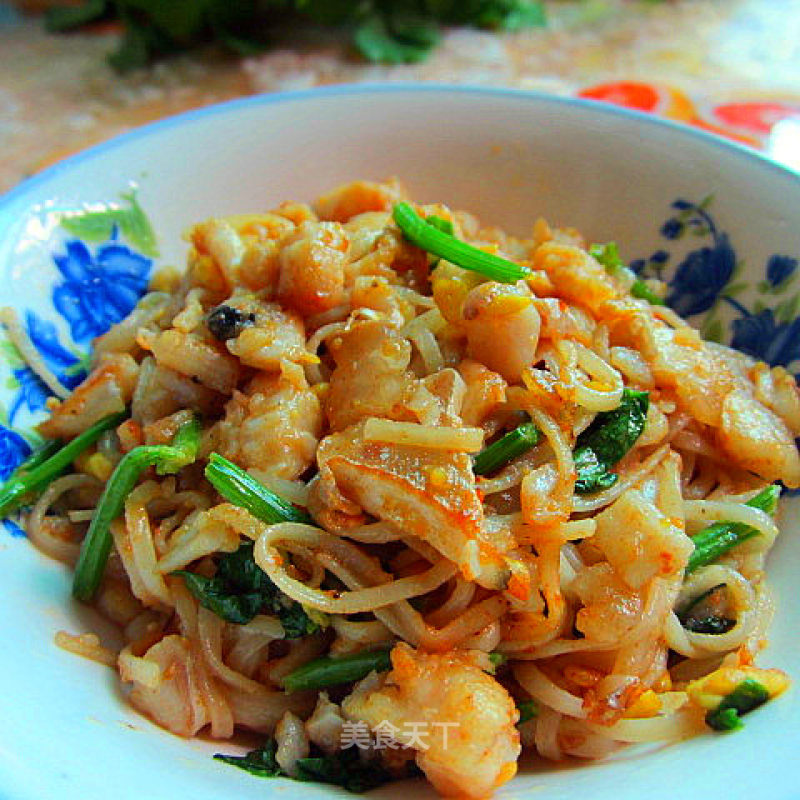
x=75, y=252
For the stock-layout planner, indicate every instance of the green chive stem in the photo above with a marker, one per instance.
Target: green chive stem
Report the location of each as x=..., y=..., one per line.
x=331, y=671
x=41, y=469
x=714, y=541
x=243, y=490
x=506, y=449
x=97, y=544
x=433, y=240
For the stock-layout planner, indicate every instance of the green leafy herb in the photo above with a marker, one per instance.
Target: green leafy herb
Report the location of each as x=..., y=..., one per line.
x=396, y=40
x=498, y=659
x=608, y=256
x=44, y=465
x=59, y=19
x=607, y=440
x=345, y=768
x=260, y=762
x=527, y=710
x=430, y=238
x=243, y=490
x=714, y=541
x=506, y=449
x=240, y=589
x=748, y=695
x=96, y=546
x=390, y=31
x=332, y=671
x=694, y=617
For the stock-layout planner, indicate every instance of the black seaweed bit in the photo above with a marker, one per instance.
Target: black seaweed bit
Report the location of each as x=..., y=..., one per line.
x=227, y=322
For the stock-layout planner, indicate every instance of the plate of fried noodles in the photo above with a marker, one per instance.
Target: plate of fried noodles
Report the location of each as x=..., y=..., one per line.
x=400, y=439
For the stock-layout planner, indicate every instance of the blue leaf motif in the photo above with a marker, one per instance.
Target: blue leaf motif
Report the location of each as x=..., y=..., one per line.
x=672, y=228
x=14, y=529
x=13, y=451
x=780, y=268
x=682, y=205
x=99, y=289
x=637, y=265
x=44, y=337
x=701, y=276
x=660, y=257
x=32, y=392
x=760, y=336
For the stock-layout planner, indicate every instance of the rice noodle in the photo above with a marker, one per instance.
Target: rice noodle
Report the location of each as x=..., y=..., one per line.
x=368, y=599
x=467, y=440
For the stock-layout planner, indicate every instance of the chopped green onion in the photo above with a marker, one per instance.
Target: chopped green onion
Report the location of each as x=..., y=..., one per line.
x=748, y=695
x=430, y=238
x=440, y=223
x=43, y=466
x=497, y=659
x=641, y=290
x=714, y=541
x=506, y=449
x=332, y=671
x=709, y=623
x=97, y=544
x=527, y=710
x=48, y=449
x=608, y=256
x=243, y=490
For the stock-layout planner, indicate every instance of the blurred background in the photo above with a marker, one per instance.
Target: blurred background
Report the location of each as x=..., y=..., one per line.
x=73, y=74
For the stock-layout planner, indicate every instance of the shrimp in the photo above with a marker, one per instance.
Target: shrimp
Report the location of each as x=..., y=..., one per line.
x=757, y=439
x=502, y=326
x=312, y=263
x=358, y=197
x=426, y=492
x=107, y=390
x=486, y=390
x=639, y=541
x=174, y=697
x=274, y=427
x=459, y=719
x=371, y=377
x=611, y=609
x=277, y=336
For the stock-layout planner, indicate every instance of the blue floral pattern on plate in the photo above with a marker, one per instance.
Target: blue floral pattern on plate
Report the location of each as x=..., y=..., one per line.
x=708, y=277
x=99, y=285
x=99, y=288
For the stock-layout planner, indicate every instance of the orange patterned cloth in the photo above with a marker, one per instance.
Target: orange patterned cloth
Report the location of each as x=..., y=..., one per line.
x=750, y=123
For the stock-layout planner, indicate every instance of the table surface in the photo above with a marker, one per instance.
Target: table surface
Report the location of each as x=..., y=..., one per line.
x=730, y=66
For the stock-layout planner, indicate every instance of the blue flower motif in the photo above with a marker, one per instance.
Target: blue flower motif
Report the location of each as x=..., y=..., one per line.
x=101, y=289
x=779, y=268
x=672, y=228
x=701, y=276
x=760, y=336
x=13, y=451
